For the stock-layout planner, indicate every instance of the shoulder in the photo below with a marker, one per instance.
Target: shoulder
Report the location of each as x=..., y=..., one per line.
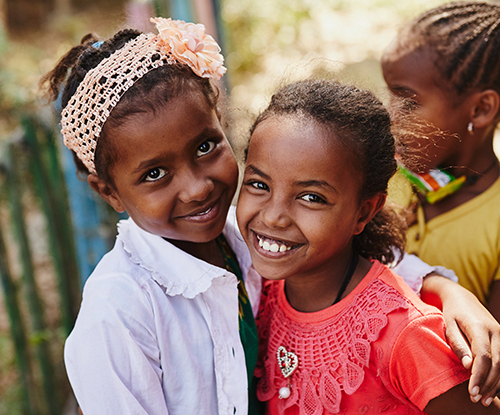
x=400, y=284
x=388, y=294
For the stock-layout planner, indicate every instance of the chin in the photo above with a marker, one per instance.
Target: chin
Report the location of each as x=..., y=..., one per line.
x=269, y=272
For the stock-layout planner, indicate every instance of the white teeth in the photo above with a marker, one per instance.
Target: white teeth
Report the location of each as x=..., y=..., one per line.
x=274, y=247
x=204, y=213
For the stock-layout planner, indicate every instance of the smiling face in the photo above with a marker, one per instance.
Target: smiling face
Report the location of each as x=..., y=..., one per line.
x=175, y=173
x=414, y=76
x=299, y=205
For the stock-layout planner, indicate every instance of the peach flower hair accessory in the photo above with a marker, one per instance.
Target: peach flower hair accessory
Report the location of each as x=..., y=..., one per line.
x=189, y=44
x=102, y=87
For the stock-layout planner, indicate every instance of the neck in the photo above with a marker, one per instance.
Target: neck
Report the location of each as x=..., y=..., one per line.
x=206, y=251
x=316, y=292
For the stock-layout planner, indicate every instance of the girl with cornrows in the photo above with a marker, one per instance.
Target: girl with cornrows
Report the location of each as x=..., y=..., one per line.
x=446, y=64
x=339, y=332
x=166, y=325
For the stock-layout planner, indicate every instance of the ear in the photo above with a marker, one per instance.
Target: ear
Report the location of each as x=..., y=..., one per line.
x=106, y=191
x=368, y=209
x=485, y=108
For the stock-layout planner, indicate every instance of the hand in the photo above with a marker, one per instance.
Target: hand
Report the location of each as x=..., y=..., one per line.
x=472, y=332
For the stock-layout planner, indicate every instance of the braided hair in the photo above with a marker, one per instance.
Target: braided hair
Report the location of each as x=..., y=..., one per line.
x=466, y=39
x=148, y=94
x=362, y=124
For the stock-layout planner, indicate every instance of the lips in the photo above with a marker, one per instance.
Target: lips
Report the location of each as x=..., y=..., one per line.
x=205, y=213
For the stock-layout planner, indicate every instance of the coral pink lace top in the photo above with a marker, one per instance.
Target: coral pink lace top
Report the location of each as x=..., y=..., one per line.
x=379, y=350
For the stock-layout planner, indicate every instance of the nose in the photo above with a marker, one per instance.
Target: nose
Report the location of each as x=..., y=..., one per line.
x=276, y=214
x=195, y=187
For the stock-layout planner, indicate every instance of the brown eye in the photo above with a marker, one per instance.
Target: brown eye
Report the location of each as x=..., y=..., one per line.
x=155, y=174
x=205, y=148
x=311, y=197
x=259, y=185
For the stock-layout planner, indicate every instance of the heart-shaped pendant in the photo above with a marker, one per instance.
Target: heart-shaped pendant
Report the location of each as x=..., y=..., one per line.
x=287, y=361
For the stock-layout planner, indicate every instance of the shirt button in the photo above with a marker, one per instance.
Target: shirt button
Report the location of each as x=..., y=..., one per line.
x=234, y=411
x=232, y=348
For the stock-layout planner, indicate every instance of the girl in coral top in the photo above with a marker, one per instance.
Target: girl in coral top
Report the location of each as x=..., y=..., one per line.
x=339, y=332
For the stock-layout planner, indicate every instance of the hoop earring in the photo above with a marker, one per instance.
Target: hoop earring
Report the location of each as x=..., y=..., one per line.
x=470, y=128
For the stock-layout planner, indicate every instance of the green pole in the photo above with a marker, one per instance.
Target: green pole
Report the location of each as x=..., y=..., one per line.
x=51, y=191
x=18, y=333
x=40, y=343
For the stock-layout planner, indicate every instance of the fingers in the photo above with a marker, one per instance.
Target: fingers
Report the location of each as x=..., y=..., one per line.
x=459, y=344
x=488, y=382
x=480, y=366
x=479, y=373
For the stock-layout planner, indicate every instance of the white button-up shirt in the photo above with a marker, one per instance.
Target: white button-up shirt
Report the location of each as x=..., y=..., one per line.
x=157, y=332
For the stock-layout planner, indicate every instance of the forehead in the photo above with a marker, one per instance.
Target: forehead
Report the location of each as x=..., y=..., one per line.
x=180, y=118
x=299, y=148
x=415, y=70
x=167, y=132
x=417, y=64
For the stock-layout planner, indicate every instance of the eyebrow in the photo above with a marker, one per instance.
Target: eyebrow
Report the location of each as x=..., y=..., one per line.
x=316, y=183
x=206, y=132
x=254, y=170
x=306, y=183
x=404, y=90
x=149, y=163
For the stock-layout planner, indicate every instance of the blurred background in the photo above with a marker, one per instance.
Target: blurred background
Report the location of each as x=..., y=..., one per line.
x=52, y=229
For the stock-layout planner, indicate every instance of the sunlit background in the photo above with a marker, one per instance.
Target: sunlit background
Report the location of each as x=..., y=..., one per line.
x=265, y=42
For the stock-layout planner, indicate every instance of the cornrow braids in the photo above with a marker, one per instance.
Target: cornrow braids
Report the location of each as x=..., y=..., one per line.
x=148, y=94
x=466, y=39
x=362, y=124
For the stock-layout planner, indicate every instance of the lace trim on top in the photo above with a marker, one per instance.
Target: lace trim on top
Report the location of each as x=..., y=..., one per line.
x=332, y=355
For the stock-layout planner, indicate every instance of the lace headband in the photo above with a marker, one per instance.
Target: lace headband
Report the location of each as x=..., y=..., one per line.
x=103, y=86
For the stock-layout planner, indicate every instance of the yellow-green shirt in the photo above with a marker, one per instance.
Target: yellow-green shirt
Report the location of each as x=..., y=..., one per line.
x=465, y=239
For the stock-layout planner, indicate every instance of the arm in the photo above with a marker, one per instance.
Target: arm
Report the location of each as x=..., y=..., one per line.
x=471, y=331
x=413, y=270
x=456, y=402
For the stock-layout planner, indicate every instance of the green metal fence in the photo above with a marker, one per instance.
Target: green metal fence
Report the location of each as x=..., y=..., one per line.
x=30, y=171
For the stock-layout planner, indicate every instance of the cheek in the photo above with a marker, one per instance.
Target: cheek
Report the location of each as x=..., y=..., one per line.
x=242, y=207
x=247, y=209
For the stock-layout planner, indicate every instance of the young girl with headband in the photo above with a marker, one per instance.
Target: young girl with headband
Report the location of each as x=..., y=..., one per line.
x=166, y=323
x=339, y=332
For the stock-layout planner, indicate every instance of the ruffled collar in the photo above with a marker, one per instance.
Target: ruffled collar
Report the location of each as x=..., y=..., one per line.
x=179, y=272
